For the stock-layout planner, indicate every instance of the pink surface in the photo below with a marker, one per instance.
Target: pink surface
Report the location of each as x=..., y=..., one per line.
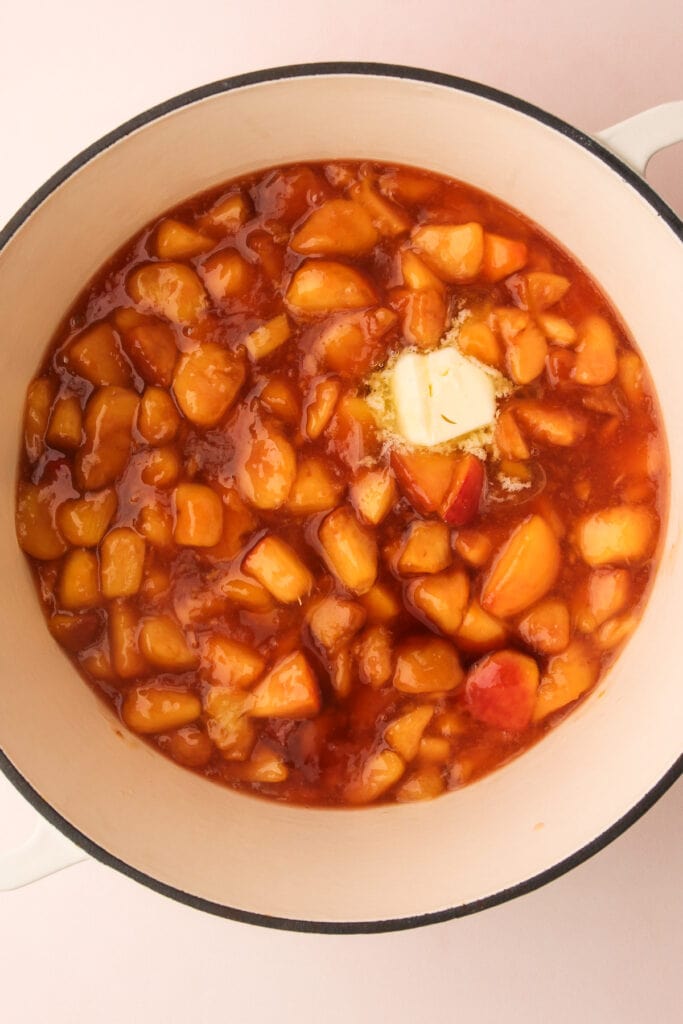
x=603, y=943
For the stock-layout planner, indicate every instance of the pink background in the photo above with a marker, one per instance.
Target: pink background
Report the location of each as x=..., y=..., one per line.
x=601, y=944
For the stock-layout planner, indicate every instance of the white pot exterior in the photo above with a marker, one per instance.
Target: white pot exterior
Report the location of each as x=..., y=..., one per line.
x=341, y=868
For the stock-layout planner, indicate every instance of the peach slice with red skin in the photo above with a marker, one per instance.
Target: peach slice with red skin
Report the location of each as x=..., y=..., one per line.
x=461, y=504
x=425, y=477
x=500, y=690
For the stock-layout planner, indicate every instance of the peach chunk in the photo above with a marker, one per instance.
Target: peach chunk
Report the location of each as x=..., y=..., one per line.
x=280, y=399
x=178, y=241
x=425, y=317
x=126, y=658
x=434, y=748
x=381, y=604
x=502, y=256
x=37, y=531
x=427, y=664
x=152, y=349
x=319, y=287
x=389, y=219
x=108, y=424
x=373, y=494
x=75, y=632
x=199, y=516
x=264, y=765
x=66, y=424
x=349, y=550
x=549, y=424
x=246, y=594
x=426, y=548
x=567, y=676
x=474, y=547
x=315, y=488
x=424, y=784
x=149, y=709
x=526, y=354
x=500, y=690
x=227, y=662
x=164, y=644
x=509, y=438
x=341, y=673
x=289, y=690
x=425, y=477
x=227, y=723
x=539, y=289
x=39, y=399
x=630, y=372
x=334, y=620
x=78, y=581
x=83, y=521
x=188, y=746
x=461, y=504
x=320, y=407
x=379, y=773
x=615, y=631
x=353, y=430
x=171, y=290
x=477, y=340
x=155, y=525
x=416, y=274
x=278, y=568
x=228, y=275
x=267, y=338
x=546, y=627
x=162, y=467
x=352, y=343
x=454, y=251
x=267, y=468
x=206, y=383
x=96, y=355
x=340, y=227
x=230, y=213
x=559, y=330
x=621, y=535
x=480, y=631
x=596, y=352
x=158, y=418
x=122, y=560
x=374, y=656
x=442, y=598
x=603, y=594
x=404, y=733
x=524, y=569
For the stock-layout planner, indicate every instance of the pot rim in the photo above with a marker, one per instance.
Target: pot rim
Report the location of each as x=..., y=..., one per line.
x=260, y=77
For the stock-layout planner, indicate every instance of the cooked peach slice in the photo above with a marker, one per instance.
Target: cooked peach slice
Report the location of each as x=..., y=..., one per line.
x=278, y=568
x=596, y=352
x=178, y=241
x=66, y=424
x=461, y=504
x=353, y=343
x=381, y=604
x=199, y=516
x=315, y=488
x=227, y=662
x=442, y=598
x=158, y=418
x=407, y=186
x=416, y=274
x=229, y=213
x=164, y=645
x=510, y=321
x=450, y=724
x=246, y=594
x=474, y=547
x=373, y=494
x=480, y=631
x=374, y=652
x=615, y=631
x=96, y=355
x=267, y=468
x=320, y=406
x=566, y=678
x=621, y=535
x=228, y=275
x=427, y=664
x=425, y=477
x=557, y=329
x=539, y=289
x=289, y=690
x=549, y=424
x=436, y=749
x=206, y=383
x=502, y=256
x=349, y=550
x=171, y=290
x=546, y=626
x=477, y=341
x=75, y=631
x=389, y=219
x=156, y=582
x=152, y=349
x=238, y=522
x=78, y=581
x=353, y=430
x=83, y=521
x=425, y=316
x=227, y=724
x=404, y=733
x=424, y=784
x=603, y=594
x=500, y=690
x=630, y=373
x=341, y=673
x=189, y=746
x=379, y=773
x=125, y=654
x=162, y=467
x=509, y=439
x=122, y=560
x=267, y=338
x=322, y=286
x=98, y=665
x=155, y=525
x=264, y=765
x=280, y=399
x=36, y=528
x=525, y=355
x=426, y=548
x=340, y=227
x=150, y=709
x=454, y=251
x=108, y=425
x=334, y=620
x=523, y=570
x=39, y=399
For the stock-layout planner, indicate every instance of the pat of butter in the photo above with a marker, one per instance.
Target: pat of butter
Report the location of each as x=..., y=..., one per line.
x=440, y=395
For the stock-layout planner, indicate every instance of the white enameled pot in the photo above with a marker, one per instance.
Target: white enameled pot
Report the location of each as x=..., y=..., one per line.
x=383, y=867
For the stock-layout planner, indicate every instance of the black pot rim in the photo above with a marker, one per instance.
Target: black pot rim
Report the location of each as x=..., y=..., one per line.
x=257, y=78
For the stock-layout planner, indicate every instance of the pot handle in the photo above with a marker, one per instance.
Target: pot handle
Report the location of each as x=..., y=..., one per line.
x=45, y=851
x=638, y=138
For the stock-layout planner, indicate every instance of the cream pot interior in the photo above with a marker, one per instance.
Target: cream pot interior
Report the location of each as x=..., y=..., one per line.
x=395, y=862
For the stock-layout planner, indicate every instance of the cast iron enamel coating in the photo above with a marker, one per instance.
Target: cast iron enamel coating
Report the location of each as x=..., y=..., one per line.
x=304, y=71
